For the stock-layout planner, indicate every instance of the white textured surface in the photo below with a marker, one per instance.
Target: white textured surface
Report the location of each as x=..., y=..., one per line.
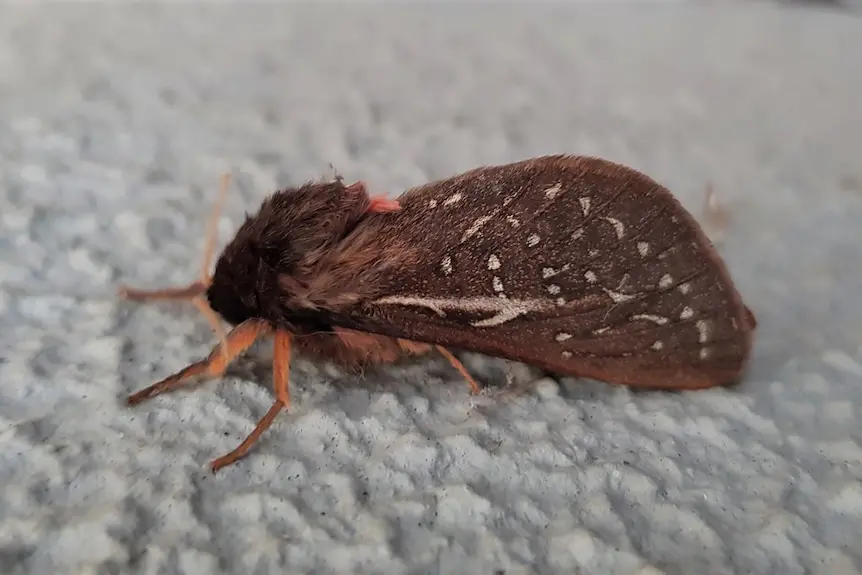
x=118, y=122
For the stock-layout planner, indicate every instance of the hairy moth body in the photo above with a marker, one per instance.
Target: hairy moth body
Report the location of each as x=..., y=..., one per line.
x=577, y=265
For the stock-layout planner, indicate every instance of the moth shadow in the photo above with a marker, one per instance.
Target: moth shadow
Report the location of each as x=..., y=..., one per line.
x=431, y=376
x=574, y=388
x=256, y=365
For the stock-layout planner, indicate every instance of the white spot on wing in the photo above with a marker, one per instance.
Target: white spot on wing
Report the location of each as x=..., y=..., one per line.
x=432, y=204
x=446, y=264
x=497, y=283
x=619, y=227
x=665, y=282
x=507, y=314
x=590, y=275
x=643, y=249
x=562, y=336
x=585, y=205
x=499, y=319
x=618, y=297
x=551, y=192
x=532, y=240
x=551, y=272
x=561, y=301
x=651, y=317
x=493, y=262
x=432, y=304
x=657, y=345
x=687, y=313
x=684, y=288
x=601, y=330
x=513, y=220
x=553, y=289
x=578, y=234
x=566, y=354
x=702, y=331
x=453, y=199
x=704, y=353
x=477, y=225
x=503, y=308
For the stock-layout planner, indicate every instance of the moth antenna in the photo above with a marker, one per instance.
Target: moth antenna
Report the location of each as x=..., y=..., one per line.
x=200, y=303
x=713, y=208
x=715, y=213
x=212, y=230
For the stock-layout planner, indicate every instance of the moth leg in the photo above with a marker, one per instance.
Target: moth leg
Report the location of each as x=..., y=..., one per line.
x=194, y=292
x=456, y=363
x=281, y=365
x=280, y=368
x=236, y=342
x=414, y=347
x=171, y=293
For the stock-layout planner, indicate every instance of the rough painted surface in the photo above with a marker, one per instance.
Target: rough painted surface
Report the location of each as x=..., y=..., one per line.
x=116, y=126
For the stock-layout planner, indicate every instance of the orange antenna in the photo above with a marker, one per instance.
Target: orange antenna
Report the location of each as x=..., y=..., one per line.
x=195, y=291
x=212, y=231
x=206, y=278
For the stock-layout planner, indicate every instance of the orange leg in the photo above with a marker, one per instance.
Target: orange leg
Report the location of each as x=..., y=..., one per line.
x=237, y=341
x=281, y=369
x=456, y=363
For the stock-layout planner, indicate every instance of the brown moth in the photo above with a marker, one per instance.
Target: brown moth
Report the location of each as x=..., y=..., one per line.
x=576, y=265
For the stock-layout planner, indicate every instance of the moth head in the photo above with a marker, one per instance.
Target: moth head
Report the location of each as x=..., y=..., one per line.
x=276, y=251
x=245, y=282
x=234, y=292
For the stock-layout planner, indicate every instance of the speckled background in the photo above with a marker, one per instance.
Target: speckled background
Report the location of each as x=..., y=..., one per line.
x=116, y=124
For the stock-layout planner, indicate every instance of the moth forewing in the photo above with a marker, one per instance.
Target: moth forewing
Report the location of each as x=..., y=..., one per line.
x=573, y=263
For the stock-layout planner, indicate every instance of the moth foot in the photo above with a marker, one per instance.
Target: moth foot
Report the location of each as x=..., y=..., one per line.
x=246, y=445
